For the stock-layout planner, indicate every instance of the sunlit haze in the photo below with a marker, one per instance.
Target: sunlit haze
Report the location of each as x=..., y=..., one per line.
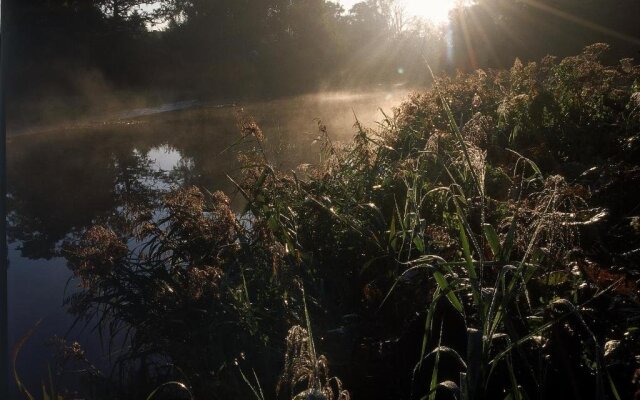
x=200, y=192
x=433, y=10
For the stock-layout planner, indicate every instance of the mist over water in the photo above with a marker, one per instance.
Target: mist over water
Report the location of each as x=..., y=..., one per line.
x=114, y=105
x=64, y=177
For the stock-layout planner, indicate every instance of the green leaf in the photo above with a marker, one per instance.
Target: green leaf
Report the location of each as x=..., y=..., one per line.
x=530, y=162
x=554, y=278
x=507, y=246
x=273, y=224
x=45, y=395
x=419, y=244
x=466, y=250
x=434, y=375
x=392, y=232
x=612, y=385
x=444, y=286
x=492, y=238
x=428, y=324
x=537, y=256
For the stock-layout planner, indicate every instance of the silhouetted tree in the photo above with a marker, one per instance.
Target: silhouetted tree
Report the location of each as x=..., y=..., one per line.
x=491, y=33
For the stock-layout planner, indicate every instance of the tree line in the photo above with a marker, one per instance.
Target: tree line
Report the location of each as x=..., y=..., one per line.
x=231, y=48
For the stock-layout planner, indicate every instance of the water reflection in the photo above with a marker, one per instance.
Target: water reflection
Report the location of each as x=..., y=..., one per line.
x=61, y=182
x=166, y=158
x=59, y=187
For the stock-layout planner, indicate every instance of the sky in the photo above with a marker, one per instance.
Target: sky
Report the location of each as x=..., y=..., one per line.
x=434, y=10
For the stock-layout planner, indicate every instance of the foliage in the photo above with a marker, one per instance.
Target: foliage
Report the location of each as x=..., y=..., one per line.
x=450, y=252
x=491, y=33
x=198, y=286
x=225, y=49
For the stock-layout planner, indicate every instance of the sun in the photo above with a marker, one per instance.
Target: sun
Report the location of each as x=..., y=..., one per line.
x=436, y=11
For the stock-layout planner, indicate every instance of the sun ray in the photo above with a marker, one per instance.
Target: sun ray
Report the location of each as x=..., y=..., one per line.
x=581, y=21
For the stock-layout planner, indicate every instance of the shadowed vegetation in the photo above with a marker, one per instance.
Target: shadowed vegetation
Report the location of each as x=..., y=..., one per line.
x=70, y=58
x=480, y=243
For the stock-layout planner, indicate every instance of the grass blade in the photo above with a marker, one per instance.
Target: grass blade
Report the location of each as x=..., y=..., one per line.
x=14, y=359
x=179, y=385
x=433, y=386
x=492, y=238
x=444, y=286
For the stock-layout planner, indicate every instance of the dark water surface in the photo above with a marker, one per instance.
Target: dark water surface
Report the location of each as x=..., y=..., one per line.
x=60, y=181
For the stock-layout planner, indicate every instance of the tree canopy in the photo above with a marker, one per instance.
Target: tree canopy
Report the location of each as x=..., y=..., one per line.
x=231, y=48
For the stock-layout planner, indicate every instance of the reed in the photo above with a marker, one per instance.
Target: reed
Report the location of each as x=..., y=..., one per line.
x=458, y=214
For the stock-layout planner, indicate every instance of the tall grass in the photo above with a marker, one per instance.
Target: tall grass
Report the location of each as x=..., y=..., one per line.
x=440, y=254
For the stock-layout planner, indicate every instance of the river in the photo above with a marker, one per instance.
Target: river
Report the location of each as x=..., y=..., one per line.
x=61, y=179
